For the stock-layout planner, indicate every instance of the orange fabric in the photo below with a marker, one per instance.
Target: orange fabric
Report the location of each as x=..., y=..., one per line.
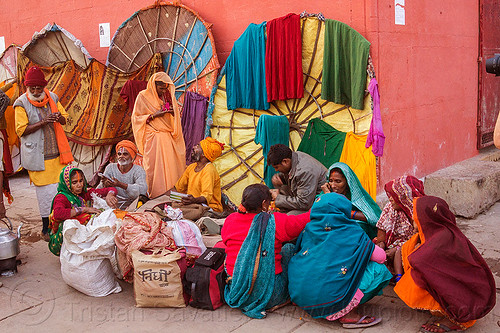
x=65, y=155
x=211, y=148
x=160, y=141
x=414, y=296
x=13, y=139
x=129, y=146
x=98, y=115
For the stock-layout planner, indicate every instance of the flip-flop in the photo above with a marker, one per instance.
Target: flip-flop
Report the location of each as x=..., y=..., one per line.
x=359, y=323
x=439, y=325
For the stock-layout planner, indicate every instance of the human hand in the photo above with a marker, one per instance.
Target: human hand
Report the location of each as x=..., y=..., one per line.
x=276, y=180
x=90, y=210
x=111, y=200
x=381, y=245
x=189, y=199
x=274, y=193
x=325, y=188
x=52, y=118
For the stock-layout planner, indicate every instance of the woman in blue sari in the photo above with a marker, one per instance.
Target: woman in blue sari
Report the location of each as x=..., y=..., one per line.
x=344, y=267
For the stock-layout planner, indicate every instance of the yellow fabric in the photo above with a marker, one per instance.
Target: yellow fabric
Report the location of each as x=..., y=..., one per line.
x=160, y=141
x=9, y=117
x=238, y=175
x=211, y=148
x=362, y=161
x=414, y=296
x=205, y=183
x=48, y=176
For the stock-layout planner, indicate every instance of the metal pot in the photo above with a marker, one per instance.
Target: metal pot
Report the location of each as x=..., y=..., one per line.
x=9, y=241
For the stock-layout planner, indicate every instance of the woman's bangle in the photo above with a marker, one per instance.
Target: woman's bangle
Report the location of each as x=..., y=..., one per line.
x=353, y=214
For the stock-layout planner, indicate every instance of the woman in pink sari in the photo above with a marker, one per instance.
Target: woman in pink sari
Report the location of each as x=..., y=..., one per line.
x=156, y=122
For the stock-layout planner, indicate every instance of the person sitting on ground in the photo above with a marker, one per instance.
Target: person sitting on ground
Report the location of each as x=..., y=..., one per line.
x=201, y=181
x=343, y=180
x=259, y=283
x=74, y=201
x=128, y=178
x=337, y=266
x=299, y=179
x=395, y=225
x=444, y=272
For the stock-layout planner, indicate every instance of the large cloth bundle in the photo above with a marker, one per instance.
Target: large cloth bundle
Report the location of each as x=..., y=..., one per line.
x=140, y=231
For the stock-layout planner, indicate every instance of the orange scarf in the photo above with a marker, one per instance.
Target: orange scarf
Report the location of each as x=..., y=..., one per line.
x=65, y=155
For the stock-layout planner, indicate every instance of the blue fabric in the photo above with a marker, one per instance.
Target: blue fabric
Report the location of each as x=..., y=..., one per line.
x=280, y=291
x=375, y=278
x=246, y=70
x=360, y=199
x=271, y=130
x=332, y=256
x=262, y=232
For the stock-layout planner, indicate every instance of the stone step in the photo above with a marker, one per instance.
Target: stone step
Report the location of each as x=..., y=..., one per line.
x=469, y=187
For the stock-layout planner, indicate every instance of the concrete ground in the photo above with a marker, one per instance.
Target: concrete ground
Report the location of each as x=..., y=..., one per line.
x=36, y=299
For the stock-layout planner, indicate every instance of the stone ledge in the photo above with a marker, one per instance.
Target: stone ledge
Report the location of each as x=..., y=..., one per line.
x=469, y=187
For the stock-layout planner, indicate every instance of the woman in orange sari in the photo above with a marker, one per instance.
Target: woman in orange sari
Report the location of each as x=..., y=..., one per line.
x=156, y=122
x=444, y=272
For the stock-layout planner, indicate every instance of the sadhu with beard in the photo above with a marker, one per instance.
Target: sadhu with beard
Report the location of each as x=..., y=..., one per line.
x=44, y=147
x=201, y=181
x=128, y=178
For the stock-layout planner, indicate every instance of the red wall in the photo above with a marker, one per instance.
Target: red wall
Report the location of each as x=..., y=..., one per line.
x=427, y=69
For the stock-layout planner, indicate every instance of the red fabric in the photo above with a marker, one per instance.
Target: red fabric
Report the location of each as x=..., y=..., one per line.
x=403, y=190
x=34, y=77
x=62, y=207
x=237, y=225
x=130, y=90
x=7, y=159
x=284, y=78
x=448, y=266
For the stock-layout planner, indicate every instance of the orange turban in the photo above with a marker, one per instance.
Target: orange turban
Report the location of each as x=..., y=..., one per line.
x=211, y=148
x=129, y=146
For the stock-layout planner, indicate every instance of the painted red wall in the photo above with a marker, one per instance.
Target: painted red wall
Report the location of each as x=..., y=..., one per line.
x=427, y=69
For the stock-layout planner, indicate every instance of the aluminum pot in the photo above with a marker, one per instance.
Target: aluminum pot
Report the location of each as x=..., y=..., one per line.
x=9, y=241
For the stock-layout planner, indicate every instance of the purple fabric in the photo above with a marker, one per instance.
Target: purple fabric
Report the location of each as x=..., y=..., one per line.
x=193, y=121
x=376, y=137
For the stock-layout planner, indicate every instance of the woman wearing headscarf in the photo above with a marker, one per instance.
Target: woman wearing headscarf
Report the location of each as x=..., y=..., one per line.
x=444, y=272
x=256, y=256
x=395, y=225
x=342, y=180
x=336, y=266
x=74, y=201
x=156, y=123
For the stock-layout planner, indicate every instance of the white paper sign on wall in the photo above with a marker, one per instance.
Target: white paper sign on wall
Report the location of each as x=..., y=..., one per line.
x=399, y=12
x=104, y=36
x=2, y=44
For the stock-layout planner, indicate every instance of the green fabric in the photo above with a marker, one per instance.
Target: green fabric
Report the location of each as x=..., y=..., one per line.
x=56, y=240
x=271, y=130
x=323, y=142
x=360, y=199
x=237, y=293
x=345, y=59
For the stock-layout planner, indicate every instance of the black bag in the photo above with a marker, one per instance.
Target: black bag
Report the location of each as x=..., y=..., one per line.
x=206, y=280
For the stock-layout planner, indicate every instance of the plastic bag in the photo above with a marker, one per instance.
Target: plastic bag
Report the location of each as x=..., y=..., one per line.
x=185, y=232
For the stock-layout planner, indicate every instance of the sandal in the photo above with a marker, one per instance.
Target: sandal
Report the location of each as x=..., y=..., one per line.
x=360, y=324
x=441, y=328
